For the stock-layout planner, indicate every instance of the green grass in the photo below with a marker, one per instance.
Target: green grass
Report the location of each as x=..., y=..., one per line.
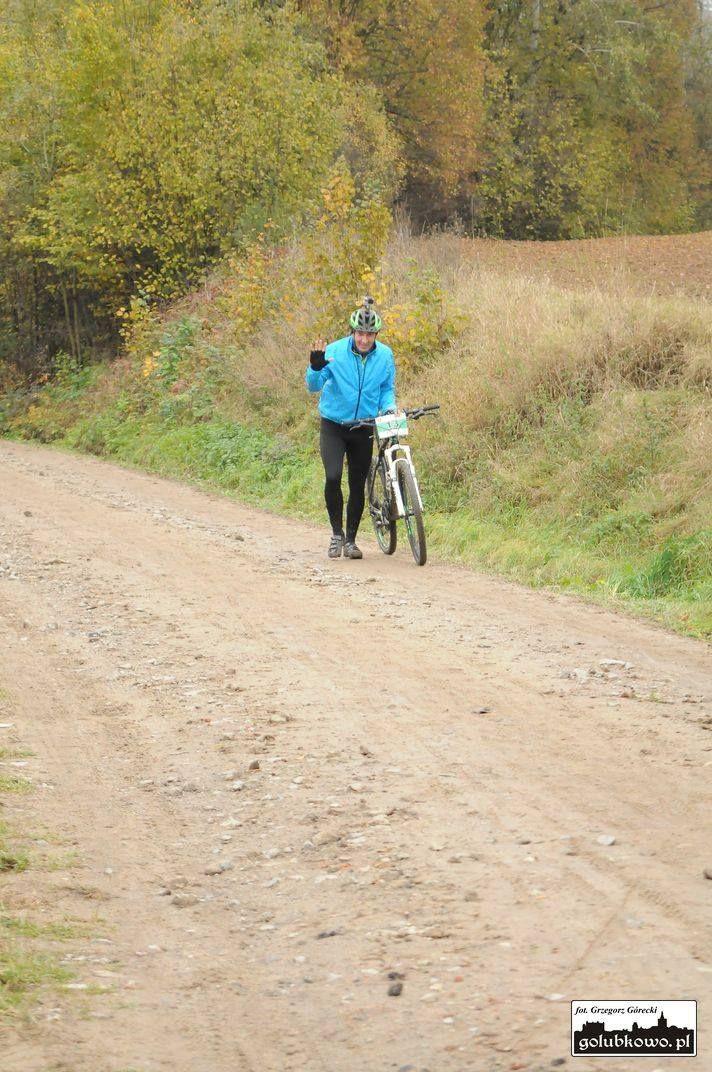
x=11, y=783
x=13, y=861
x=542, y=555
x=57, y=932
x=64, y=862
x=15, y=753
x=11, y=858
x=23, y=974
x=26, y=971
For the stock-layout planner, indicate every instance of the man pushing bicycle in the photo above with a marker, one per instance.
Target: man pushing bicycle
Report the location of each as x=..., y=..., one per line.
x=356, y=377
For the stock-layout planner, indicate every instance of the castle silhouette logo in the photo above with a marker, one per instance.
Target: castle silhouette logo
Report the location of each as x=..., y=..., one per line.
x=633, y=1028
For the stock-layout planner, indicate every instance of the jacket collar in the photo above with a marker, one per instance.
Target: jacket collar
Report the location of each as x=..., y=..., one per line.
x=352, y=347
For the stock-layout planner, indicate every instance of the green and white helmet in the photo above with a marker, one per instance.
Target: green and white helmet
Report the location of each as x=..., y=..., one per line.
x=366, y=318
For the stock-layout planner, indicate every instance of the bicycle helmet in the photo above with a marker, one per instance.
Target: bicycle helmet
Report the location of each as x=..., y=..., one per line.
x=366, y=318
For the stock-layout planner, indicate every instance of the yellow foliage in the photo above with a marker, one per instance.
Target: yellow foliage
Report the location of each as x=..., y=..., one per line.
x=140, y=325
x=341, y=255
x=338, y=196
x=248, y=296
x=424, y=323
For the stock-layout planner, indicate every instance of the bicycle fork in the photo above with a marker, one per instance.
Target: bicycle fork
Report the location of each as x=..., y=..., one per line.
x=394, y=456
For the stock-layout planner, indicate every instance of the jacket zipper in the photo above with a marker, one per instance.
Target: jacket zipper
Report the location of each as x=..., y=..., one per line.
x=360, y=383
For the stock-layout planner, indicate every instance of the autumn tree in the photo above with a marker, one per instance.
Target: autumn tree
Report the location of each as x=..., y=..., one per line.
x=588, y=126
x=142, y=139
x=426, y=59
x=698, y=94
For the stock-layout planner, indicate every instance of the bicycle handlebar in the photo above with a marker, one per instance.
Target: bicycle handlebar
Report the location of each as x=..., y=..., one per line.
x=415, y=414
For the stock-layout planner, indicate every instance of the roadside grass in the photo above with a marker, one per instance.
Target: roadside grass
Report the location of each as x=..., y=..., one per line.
x=11, y=857
x=15, y=753
x=28, y=966
x=13, y=861
x=25, y=970
x=23, y=974
x=59, y=932
x=573, y=449
x=11, y=783
x=65, y=861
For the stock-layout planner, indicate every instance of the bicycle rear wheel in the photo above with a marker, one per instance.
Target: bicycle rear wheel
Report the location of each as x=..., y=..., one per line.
x=379, y=504
x=413, y=514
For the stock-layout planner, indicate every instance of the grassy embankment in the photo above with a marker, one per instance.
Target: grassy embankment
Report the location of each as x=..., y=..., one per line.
x=574, y=448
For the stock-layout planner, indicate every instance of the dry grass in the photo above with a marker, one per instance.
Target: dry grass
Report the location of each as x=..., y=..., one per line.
x=647, y=264
x=527, y=342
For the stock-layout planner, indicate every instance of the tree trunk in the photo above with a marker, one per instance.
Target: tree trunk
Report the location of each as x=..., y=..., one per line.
x=536, y=22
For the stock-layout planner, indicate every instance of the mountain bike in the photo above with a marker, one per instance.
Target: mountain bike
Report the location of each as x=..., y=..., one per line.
x=392, y=485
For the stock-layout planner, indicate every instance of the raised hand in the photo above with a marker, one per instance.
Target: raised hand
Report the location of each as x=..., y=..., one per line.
x=316, y=357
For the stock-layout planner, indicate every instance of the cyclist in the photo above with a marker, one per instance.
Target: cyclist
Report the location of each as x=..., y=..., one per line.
x=356, y=377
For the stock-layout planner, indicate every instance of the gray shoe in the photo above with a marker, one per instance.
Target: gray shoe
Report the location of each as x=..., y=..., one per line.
x=336, y=546
x=351, y=550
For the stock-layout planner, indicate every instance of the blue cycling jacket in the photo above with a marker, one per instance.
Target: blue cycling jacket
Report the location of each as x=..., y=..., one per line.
x=351, y=388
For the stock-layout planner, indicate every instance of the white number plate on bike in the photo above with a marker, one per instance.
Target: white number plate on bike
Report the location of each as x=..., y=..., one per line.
x=391, y=424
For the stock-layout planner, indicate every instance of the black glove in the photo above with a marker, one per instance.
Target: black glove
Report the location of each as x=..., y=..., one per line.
x=317, y=360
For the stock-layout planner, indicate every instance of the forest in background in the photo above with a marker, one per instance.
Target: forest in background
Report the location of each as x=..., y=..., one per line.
x=142, y=141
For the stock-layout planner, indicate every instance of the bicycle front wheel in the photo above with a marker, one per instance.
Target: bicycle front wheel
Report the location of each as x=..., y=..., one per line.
x=379, y=504
x=413, y=514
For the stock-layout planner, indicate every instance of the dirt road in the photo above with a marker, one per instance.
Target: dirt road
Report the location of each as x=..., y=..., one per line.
x=399, y=770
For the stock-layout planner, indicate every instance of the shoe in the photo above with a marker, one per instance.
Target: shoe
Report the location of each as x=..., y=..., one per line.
x=351, y=550
x=336, y=546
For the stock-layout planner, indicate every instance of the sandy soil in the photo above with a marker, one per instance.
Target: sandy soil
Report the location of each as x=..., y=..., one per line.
x=401, y=770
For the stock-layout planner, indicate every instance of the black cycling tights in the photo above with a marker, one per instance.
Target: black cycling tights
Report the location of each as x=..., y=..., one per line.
x=357, y=444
